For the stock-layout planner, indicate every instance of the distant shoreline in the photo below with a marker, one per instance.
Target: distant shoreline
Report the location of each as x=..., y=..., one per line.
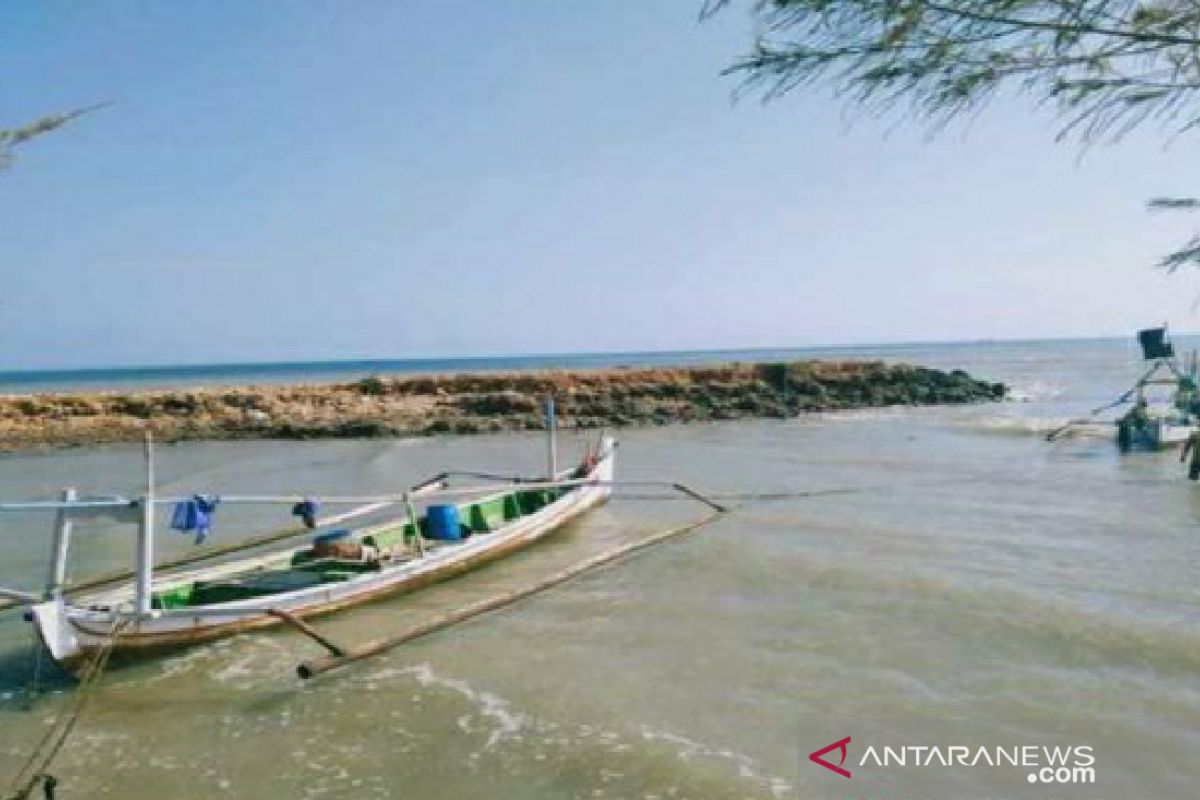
x=477, y=402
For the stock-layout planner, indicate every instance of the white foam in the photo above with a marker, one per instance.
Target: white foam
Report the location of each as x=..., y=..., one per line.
x=747, y=768
x=1038, y=426
x=1035, y=392
x=506, y=723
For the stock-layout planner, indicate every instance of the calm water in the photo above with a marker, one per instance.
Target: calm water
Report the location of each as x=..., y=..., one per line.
x=957, y=568
x=12, y=381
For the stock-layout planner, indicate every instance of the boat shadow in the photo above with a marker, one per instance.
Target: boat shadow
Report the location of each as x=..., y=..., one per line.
x=30, y=675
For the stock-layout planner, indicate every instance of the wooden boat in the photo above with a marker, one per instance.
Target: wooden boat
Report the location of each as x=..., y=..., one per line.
x=1156, y=423
x=336, y=570
x=1165, y=410
x=1159, y=427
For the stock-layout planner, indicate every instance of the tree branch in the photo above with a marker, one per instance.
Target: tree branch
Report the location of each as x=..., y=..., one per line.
x=12, y=137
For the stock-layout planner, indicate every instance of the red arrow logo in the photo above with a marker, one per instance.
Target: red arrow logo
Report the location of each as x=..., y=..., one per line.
x=816, y=757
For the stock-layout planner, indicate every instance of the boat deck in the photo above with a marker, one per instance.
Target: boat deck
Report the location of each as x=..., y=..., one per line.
x=385, y=545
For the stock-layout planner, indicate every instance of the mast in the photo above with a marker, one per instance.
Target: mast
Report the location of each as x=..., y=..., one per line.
x=551, y=443
x=62, y=543
x=145, y=538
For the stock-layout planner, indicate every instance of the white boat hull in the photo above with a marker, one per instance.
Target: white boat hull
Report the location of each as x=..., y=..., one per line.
x=72, y=631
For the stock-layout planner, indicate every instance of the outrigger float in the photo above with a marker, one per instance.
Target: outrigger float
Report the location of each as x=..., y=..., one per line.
x=456, y=530
x=1153, y=424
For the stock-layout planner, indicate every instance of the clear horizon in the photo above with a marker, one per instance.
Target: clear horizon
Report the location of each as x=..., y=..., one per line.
x=576, y=354
x=323, y=186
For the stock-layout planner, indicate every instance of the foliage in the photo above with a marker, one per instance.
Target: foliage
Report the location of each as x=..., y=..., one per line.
x=11, y=137
x=1106, y=65
x=1190, y=252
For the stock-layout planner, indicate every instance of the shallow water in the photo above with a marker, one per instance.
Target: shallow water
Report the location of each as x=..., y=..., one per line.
x=938, y=564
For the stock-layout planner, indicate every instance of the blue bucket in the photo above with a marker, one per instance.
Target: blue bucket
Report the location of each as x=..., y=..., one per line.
x=442, y=523
x=331, y=536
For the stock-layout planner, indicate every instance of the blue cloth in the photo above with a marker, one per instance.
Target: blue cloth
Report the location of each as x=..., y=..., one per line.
x=196, y=515
x=307, y=510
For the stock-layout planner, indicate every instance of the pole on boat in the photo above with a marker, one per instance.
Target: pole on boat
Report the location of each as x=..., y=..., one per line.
x=145, y=538
x=551, y=443
x=62, y=543
x=1122, y=400
x=417, y=543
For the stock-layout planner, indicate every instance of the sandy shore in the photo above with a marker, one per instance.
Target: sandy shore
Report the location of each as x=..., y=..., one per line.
x=478, y=402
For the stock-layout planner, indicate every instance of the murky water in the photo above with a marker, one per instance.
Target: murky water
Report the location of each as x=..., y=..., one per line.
x=941, y=563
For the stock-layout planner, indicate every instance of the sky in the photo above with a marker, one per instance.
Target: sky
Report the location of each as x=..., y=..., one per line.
x=324, y=180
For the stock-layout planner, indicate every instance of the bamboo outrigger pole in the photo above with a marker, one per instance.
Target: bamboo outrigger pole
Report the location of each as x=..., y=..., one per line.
x=339, y=656
x=270, y=537
x=1146, y=379
x=71, y=504
x=143, y=506
x=387, y=499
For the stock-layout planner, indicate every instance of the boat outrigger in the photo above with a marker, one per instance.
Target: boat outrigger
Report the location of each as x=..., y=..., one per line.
x=457, y=529
x=1153, y=423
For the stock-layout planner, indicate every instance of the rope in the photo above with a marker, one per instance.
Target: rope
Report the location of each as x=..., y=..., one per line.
x=36, y=651
x=781, y=495
x=48, y=748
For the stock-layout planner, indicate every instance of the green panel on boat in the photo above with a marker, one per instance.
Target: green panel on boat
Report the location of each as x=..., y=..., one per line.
x=175, y=597
x=323, y=566
x=477, y=519
x=534, y=500
x=491, y=514
x=227, y=591
x=512, y=509
x=390, y=537
x=331, y=575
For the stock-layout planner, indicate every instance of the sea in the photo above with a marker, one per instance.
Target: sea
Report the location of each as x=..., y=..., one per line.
x=895, y=577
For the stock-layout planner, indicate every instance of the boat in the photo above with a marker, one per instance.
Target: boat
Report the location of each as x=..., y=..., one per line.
x=1155, y=427
x=1155, y=421
x=438, y=531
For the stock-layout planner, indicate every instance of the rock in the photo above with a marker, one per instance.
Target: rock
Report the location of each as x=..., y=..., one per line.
x=498, y=403
x=361, y=429
x=257, y=418
x=372, y=386
x=135, y=406
x=485, y=402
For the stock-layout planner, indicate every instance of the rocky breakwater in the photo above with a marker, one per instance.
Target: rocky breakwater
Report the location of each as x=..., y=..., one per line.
x=480, y=402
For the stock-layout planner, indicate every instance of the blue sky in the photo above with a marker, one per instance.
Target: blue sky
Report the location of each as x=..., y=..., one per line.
x=308, y=180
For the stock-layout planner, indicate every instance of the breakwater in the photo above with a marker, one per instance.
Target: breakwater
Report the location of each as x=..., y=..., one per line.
x=479, y=402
